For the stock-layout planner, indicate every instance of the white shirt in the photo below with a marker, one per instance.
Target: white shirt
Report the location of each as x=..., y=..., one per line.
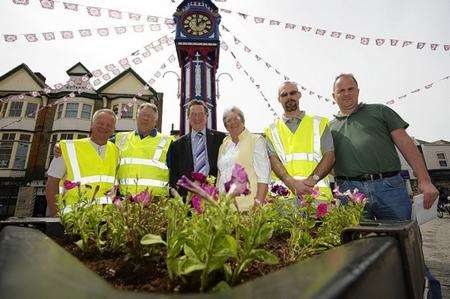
x=261, y=163
x=57, y=168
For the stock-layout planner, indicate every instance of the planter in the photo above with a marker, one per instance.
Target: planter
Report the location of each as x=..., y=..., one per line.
x=34, y=266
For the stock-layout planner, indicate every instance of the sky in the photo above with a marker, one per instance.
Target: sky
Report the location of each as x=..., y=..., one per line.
x=384, y=72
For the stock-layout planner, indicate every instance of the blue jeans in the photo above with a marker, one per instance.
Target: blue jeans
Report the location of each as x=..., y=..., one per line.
x=388, y=199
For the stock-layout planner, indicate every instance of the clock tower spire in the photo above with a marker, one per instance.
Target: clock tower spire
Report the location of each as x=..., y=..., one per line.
x=197, y=43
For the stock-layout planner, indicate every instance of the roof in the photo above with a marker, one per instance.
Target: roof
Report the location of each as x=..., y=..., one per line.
x=121, y=75
x=441, y=142
x=36, y=78
x=79, y=69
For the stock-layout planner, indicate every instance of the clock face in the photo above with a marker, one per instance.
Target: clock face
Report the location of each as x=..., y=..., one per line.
x=197, y=24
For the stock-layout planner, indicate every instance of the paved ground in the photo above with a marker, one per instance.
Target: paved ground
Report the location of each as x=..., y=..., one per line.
x=436, y=249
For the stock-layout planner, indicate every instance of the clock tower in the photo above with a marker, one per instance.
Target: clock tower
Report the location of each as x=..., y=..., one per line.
x=197, y=43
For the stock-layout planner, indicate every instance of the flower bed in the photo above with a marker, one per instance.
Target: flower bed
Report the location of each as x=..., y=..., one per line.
x=205, y=243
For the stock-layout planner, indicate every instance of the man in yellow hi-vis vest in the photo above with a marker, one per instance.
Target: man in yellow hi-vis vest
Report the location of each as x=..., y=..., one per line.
x=89, y=161
x=300, y=146
x=143, y=154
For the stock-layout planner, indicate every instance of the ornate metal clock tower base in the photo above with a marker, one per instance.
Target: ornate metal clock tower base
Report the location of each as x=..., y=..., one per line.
x=197, y=43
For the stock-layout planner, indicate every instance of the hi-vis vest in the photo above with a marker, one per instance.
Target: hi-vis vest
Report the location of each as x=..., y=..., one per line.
x=142, y=163
x=84, y=165
x=246, y=148
x=300, y=152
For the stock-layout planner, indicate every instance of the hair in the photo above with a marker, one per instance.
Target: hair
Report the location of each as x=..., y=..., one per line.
x=235, y=110
x=344, y=75
x=198, y=103
x=105, y=110
x=150, y=105
x=287, y=82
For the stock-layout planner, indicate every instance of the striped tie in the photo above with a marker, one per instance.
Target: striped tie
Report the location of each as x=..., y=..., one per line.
x=200, y=154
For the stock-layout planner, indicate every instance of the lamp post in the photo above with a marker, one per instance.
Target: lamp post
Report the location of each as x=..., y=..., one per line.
x=178, y=81
x=217, y=83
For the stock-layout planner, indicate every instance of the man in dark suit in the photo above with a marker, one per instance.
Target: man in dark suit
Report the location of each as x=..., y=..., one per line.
x=196, y=151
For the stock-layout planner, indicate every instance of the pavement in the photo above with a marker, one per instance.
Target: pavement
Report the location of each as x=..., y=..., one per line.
x=436, y=250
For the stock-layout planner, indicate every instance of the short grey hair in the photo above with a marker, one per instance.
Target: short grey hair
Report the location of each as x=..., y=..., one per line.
x=350, y=75
x=150, y=105
x=105, y=110
x=287, y=82
x=235, y=110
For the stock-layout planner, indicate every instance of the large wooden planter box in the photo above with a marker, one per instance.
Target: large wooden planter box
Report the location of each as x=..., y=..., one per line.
x=33, y=266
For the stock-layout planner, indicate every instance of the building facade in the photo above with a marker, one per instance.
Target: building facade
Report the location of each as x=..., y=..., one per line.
x=34, y=117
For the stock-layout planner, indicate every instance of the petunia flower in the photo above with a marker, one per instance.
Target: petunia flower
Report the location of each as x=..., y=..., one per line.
x=197, y=203
x=199, y=177
x=70, y=185
x=117, y=201
x=211, y=190
x=315, y=193
x=143, y=197
x=279, y=189
x=195, y=188
x=238, y=183
x=322, y=210
x=336, y=191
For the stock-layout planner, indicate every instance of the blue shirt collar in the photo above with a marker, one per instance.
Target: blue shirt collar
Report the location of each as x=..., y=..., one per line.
x=153, y=133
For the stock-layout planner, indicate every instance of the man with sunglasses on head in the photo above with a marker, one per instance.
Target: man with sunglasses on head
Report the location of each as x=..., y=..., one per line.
x=300, y=146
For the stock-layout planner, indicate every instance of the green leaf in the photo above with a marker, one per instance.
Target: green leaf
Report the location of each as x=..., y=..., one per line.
x=220, y=287
x=150, y=239
x=264, y=256
x=189, y=252
x=187, y=266
x=265, y=233
x=228, y=271
x=80, y=244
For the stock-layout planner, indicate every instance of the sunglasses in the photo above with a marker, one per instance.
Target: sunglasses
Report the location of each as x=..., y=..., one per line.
x=292, y=93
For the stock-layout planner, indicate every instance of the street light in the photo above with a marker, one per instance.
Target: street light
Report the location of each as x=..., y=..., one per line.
x=217, y=83
x=178, y=79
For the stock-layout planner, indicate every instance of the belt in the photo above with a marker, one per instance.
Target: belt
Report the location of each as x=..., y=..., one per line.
x=369, y=177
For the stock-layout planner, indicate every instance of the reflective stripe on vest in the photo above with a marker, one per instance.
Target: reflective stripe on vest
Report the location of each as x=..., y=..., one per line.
x=146, y=162
x=277, y=143
x=143, y=182
x=159, y=149
x=73, y=160
x=316, y=132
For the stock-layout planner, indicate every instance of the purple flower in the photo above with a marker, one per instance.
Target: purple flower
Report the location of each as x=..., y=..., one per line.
x=336, y=191
x=322, y=210
x=279, y=189
x=211, y=190
x=359, y=197
x=315, y=193
x=199, y=177
x=195, y=188
x=238, y=183
x=143, y=197
x=117, y=201
x=70, y=185
x=197, y=203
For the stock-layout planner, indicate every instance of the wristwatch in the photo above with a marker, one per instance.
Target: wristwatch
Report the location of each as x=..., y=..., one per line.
x=315, y=177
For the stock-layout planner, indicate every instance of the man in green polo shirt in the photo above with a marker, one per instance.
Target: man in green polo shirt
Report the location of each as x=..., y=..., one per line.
x=365, y=136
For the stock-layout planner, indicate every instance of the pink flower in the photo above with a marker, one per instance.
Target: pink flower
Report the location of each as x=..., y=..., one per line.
x=315, y=193
x=197, y=203
x=322, y=210
x=143, y=197
x=199, y=177
x=359, y=197
x=336, y=191
x=195, y=188
x=238, y=183
x=211, y=190
x=70, y=185
x=117, y=201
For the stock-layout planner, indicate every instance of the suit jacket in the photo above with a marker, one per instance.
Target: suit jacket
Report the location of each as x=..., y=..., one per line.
x=180, y=159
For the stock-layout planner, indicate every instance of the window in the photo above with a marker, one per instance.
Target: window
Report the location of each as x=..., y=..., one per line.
x=59, y=111
x=53, y=140
x=15, y=109
x=6, y=146
x=86, y=111
x=71, y=110
x=80, y=136
x=127, y=112
x=31, y=110
x=66, y=136
x=115, y=109
x=4, y=106
x=22, y=152
x=442, y=160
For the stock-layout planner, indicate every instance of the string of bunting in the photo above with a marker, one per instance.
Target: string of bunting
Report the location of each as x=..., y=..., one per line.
x=425, y=87
x=268, y=65
x=83, y=86
x=85, y=32
x=253, y=82
x=135, y=58
x=95, y=11
x=321, y=32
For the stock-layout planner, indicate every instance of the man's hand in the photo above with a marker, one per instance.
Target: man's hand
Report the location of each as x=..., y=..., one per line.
x=57, y=150
x=299, y=187
x=430, y=194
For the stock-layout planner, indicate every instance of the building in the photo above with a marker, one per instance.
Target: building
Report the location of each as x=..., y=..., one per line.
x=436, y=156
x=33, y=117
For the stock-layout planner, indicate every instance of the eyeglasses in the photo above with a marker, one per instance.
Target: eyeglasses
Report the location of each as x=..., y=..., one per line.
x=291, y=93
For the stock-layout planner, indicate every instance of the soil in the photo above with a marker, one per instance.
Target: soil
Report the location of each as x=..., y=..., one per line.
x=150, y=274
